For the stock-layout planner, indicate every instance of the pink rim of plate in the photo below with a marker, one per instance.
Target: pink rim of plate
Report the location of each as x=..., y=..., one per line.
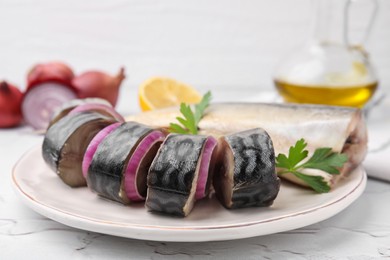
x=211, y=143
x=93, y=145
x=130, y=181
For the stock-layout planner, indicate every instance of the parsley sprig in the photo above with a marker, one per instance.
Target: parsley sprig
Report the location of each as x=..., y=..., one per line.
x=190, y=120
x=322, y=159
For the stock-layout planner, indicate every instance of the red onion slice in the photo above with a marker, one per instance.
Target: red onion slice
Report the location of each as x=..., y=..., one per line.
x=130, y=181
x=93, y=145
x=211, y=143
x=98, y=107
x=70, y=105
x=40, y=102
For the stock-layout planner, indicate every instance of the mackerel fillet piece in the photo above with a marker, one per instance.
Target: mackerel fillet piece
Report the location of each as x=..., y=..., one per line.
x=173, y=174
x=106, y=172
x=340, y=128
x=66, y=141
x=245, y=173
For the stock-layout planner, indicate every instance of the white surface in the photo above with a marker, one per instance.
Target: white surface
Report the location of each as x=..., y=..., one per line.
x=379, y=141
x=44, y=192
x=228, y=46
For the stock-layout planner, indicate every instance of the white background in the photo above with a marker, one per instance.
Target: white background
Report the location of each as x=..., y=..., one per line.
x=210, y=44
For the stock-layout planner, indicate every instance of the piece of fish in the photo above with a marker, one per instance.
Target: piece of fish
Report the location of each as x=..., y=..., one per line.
x=173, y=175
x=245, y=173
x=340, y=128
x=66, y=141
x=107, y=172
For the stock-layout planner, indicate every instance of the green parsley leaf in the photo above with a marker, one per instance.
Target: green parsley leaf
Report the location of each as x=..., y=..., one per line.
x=201, y=107
x=322, y=159
x=326, y=160
x=317, y=183
x=175, y=128
x=295, y=154
x=190, y=120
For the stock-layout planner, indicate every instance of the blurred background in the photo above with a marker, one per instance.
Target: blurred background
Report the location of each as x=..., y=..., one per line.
x=225, y=45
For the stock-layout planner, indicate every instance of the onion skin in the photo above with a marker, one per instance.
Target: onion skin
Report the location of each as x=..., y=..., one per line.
x=135, y=175
x=206, y=168
x=99, y=84
x=51, y=71
x=10, y=102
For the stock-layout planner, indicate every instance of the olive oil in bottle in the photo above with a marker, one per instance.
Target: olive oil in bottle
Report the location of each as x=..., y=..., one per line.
x=354, y=96
x=332, y=67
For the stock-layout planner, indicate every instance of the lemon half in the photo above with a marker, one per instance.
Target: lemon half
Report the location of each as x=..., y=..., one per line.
x=160, y=92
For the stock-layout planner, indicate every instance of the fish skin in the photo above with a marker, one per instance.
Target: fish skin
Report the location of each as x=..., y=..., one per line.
x=172, y=176
x=254, y=156
x=166, y=202
x=105, y=174
x=319, y=125
x=254, y=180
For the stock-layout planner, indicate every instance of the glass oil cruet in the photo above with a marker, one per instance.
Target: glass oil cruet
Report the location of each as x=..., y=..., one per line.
x=330, y=69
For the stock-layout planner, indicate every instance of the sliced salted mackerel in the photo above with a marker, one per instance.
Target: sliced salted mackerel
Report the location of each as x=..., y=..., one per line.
x=66, y=141
x=173, y=174
x=113, y=173
x=245, y=171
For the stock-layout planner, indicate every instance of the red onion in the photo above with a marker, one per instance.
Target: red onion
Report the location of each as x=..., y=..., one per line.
x=204, y=169
x=10, y=100
x=104, y=109
x=42, y=100
x=50, y=71
x=93, y=145
x=65, y=108
x=99, y=84
x=135, y=163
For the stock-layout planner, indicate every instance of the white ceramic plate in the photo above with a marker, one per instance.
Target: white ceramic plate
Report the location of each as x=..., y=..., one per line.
x=294, y=207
